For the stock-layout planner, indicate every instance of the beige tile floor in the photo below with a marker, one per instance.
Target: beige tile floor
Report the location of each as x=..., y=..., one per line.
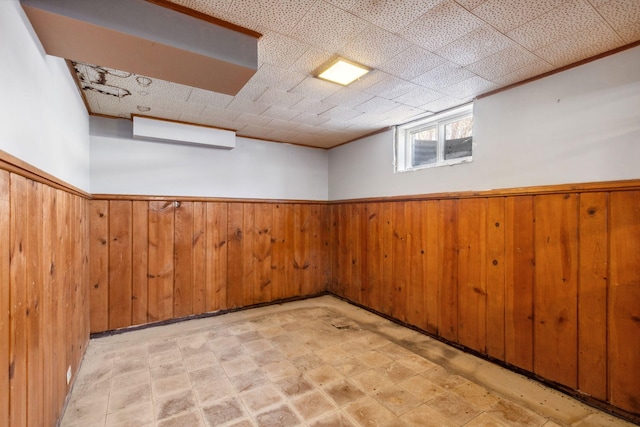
x=317, y=362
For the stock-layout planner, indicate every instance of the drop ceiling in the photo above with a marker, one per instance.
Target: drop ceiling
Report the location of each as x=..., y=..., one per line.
x=426, y=55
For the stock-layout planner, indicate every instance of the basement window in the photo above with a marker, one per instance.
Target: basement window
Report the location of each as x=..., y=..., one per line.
x=439, y=140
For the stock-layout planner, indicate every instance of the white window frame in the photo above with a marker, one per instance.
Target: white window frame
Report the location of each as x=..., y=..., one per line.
x=403, y=152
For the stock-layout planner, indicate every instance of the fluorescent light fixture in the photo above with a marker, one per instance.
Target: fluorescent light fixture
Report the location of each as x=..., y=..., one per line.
x=343, y=71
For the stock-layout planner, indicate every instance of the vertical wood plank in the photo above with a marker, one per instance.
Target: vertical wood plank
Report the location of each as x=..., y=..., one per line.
x=318, y=247
x=140, y=261
x=472, y=287
x=199, y=259
x=556, y=288
x=99, y=263
x=363, y=225
x=235, y=233
x=430, y=233
x=592, y=295
x=495, y=277
x=5, y=285
x=624, y=301
x=399, y=262
x=301, y=262
x=120, y=265
x=247, y=257
x=375, y=256
x=183, y=260
x=386, y=305
x=161, y=232
x=417, y=260
x=35, y=401
x=49, y=298
x=448, y=271
x=519, y=266
x=18, y=298
x=355, y=252
x=263, y=222
x=343, y=287
x=216, y=272
x=289, y=286
x=278, y=253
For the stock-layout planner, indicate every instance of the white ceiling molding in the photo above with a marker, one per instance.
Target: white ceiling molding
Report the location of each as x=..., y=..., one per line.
x=167, y=131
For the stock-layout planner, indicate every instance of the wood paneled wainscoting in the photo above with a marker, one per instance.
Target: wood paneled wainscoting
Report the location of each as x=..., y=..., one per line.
x=44, y=312
x=155, y=259
x=545, y=279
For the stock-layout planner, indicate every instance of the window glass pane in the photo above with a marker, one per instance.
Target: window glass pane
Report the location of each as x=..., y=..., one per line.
x=423, y=146
x=458, y=138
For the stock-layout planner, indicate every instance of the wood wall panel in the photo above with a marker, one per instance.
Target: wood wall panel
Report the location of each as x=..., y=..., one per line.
x=44, y=319
x=448, y=270
x=374, y=257
x=432, y=264
x=495, y=277
x=216, y=258
x=519, y=268
x=161, y=262
x=415, y=312
x=556, y=288
x=140, y=262
x=183, y=284
x=624, y=301
x=120, y=263
x=592, y=295
x=5, y=307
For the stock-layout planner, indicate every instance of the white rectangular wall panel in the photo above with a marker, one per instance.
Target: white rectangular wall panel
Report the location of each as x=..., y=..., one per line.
x=162, y=130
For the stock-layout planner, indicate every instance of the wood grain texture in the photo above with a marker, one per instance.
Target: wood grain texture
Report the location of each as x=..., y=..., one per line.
x=472, y=286
x=624, y=301
x=5, y=307
x=183, y=284
x=430, y=234
x=235, y=264
x=216, y=267
x=495, y=277
x=415, y=311
x=140, y=262
x=199, y=257
x=556, y=288
x=161, y=263
x=99, y=264
x=263, y=224
x=120, y=263
x=592, y=294
x=448, y=270
x=519, y=269
x=375, y=256
x=399, y=262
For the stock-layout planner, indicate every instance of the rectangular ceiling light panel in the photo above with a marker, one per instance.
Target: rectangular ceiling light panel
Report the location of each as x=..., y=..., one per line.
x=343, y=71
x=142, y=38
x=167, y=131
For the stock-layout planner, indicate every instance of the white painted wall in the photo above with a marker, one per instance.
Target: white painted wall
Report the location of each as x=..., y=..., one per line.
x=254, y=169
x=581, y=125
x=43, y=119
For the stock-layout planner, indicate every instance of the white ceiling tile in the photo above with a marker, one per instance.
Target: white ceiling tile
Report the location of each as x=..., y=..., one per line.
x=476, y=45
x=283, y=136
x=470, y=88
x=334, y=124
x=176, y=106
x=213, y=99
x=280, y=15
x=253, y=131
x=391, y=87
x=392, y=15
x=411, y=62
x=250, y=107
x=250, y=92
x=341, y=113
x=279, y=98
x=328, y=27
x=377, y=105
x=445, y=75
x=311, y=61
x=623, y=16
x=418, y=97
x=504, y=62
x=348, y=98
x=534, y=69
x=215, y=122
x=441, y=25
x=505, y=15
x=220, y=113
x=313, y=105
x=404, y=113
x=470, y=4
x=442, y=104
x=368, y=80
x=205, y=5
x=253, y=119
x=569, y=18
x=309, y=129
x=312, y=87
x=276, y=77
x=581, y=45
x=279, y=50
x=282, y=124
x=362, y=50
x=309, y=118
x=280, y=113
x=343, y=4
